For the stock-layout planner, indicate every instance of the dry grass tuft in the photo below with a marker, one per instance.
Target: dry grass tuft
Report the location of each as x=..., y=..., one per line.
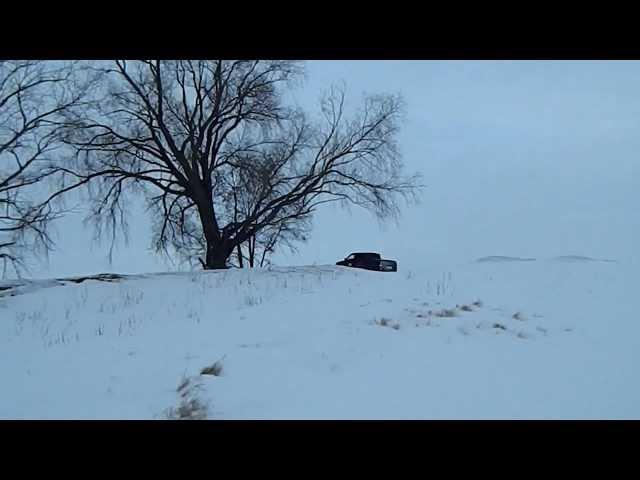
x=387, y=322
x=446, y=313
x=191, y=407
x=215, y=369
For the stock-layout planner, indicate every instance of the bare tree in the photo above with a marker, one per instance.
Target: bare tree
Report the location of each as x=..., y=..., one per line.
x=257, y=250
x=240, y=189
x=192, y=135
x=33, y=95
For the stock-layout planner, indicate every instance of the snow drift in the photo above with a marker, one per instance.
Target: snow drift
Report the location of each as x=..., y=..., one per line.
x=494, y=340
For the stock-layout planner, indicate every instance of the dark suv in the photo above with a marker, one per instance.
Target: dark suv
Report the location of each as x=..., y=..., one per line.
x=369, y=261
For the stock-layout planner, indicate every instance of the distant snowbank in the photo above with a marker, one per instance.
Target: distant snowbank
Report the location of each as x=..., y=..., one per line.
x=580, y=258
x=561, y=258
x=500, y=258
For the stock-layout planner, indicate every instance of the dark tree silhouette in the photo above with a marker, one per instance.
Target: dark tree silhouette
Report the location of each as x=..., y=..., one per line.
x=33, y=96
x=223, y=161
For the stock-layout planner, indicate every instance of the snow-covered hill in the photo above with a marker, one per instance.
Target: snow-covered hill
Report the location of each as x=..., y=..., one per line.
x=491, y=339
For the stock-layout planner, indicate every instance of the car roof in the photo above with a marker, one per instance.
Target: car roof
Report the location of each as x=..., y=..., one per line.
x=366, y=253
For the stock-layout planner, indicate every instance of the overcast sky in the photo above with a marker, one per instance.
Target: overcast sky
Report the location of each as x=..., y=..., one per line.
x=519, y=158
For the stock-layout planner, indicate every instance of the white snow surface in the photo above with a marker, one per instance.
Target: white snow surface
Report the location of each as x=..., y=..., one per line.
x=547, y=340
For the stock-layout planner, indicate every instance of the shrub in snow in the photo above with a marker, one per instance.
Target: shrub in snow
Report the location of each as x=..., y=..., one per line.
x=190, y=407
x=215, y=369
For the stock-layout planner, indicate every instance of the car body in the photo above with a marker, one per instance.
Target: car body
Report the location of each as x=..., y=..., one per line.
x=369, y=261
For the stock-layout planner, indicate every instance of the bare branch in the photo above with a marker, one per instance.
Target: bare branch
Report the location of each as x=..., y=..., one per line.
x=34, y=96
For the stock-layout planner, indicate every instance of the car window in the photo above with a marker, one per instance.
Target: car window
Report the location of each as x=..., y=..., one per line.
x=350, y=257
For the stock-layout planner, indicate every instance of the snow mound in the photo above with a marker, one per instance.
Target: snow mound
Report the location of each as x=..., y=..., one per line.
x=501, y=258
x=580, y=258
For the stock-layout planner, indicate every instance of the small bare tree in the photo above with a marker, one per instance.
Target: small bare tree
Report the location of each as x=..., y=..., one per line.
x=33, y=95
x=240, y=197
x=257, y=250
x=192, y=135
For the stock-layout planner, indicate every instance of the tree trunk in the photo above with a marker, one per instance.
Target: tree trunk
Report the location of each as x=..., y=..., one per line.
x=252, y=251
x=240, y=259
x=218, y=249
x=216, y=257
